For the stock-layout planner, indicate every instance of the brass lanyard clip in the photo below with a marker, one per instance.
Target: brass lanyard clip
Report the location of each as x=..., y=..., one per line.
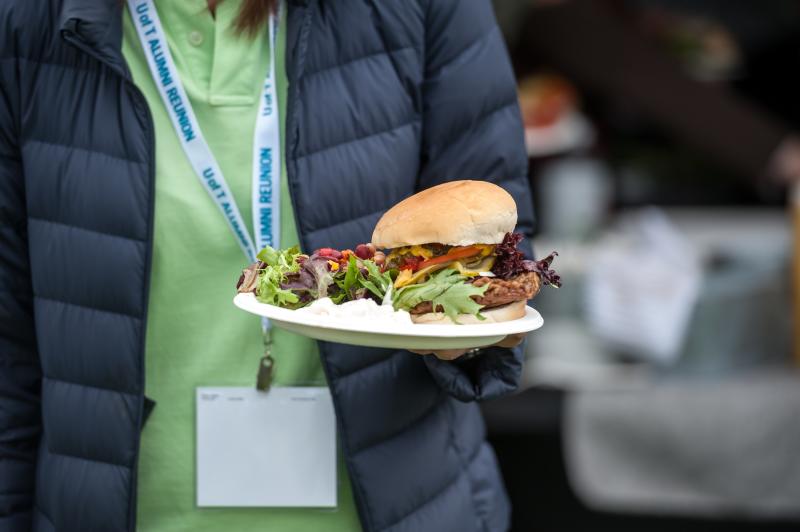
x=266, y=365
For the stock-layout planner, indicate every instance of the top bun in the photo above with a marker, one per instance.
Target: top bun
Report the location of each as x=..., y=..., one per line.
x=456, y=213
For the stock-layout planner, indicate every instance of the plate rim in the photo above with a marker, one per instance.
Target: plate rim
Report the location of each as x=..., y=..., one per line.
x=530, y=322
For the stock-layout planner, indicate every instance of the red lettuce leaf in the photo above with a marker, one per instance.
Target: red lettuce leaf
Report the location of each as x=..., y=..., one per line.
x=510, y=262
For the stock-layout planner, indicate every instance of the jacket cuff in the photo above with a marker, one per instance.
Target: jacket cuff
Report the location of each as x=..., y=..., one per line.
x=493, y=372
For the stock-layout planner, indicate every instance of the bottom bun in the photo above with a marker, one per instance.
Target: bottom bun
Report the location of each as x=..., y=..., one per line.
x=512, y=311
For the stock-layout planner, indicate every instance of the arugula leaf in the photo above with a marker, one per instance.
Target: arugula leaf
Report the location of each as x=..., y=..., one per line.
x=345, y=279
x=376, y=282
x=369, y=285
x=355, y=284
x=445, y=289
x=351, y=275
x=338, y=298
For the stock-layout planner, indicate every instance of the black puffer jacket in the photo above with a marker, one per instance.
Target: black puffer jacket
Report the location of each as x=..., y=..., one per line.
x=386, y=97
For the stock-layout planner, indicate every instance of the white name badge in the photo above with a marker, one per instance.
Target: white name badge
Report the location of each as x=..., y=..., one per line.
x=275, y=449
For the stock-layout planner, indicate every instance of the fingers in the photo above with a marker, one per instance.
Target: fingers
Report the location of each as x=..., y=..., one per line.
x=512, y=340
x=442, y=354
x=449, y=354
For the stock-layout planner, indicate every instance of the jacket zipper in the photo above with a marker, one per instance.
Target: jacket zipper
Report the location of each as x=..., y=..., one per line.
x=291, y=172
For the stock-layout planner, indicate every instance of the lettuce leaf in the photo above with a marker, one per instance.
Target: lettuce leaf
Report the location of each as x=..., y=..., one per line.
x=511, y=262
x=445, y=289
x=289, y=279
x=284, y=259
x=376, y=282
x=270, y=292
x=278, y=265
x=321, y=273
x=356, y=282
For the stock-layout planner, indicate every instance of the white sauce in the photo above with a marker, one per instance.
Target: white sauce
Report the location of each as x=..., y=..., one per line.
x=358, y=309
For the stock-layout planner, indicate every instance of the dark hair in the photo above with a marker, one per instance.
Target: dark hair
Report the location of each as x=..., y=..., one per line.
x=252, y=15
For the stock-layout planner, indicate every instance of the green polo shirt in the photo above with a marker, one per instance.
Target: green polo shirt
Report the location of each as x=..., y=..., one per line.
x=195, y=336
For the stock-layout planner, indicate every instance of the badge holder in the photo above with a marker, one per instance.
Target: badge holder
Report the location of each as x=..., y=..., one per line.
x=268, y=446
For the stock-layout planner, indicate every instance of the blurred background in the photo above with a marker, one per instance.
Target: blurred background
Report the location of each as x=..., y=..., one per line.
x=663, y=392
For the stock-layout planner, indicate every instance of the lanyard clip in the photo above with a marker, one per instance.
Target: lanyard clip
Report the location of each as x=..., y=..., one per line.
x=265, y=372
x=266, y=364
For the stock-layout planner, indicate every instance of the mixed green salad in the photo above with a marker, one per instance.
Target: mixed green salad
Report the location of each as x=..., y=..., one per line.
x=290, y=279
x=454, y=280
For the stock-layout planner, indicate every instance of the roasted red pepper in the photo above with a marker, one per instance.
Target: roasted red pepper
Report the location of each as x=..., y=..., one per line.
x=410, y=262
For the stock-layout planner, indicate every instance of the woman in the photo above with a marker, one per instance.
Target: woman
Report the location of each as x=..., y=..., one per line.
x=117, y=268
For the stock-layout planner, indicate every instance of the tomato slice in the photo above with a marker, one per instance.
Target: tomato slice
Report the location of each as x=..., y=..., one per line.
x=453, y=254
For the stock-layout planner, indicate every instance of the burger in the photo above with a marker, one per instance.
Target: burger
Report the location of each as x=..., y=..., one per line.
x=446, y=255
x=456, y=255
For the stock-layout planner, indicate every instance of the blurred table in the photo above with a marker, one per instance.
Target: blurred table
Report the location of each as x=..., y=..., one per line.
x=525, y=430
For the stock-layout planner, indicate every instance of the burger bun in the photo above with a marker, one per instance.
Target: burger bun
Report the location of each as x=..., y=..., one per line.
x=512, y=311
x=456, y=213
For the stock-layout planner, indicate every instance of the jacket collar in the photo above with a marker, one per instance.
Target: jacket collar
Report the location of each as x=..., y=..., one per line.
x=95, y=26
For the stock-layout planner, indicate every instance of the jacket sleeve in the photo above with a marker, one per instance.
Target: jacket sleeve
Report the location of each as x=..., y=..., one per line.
x=472, y=129
x=19, y=367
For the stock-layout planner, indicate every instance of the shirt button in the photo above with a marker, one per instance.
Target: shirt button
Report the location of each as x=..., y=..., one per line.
x=195, y=38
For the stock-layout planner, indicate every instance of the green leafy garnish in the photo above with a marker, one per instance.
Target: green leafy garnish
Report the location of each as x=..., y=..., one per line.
x=354, y=283
x=284, y=259
x=376, y=282
x=279, y=264
x=445, y=289
x=351, y=276
x=322, y=276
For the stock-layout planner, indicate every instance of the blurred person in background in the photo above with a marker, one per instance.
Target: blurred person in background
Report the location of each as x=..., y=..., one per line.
x=117, y=269
x=618, y=64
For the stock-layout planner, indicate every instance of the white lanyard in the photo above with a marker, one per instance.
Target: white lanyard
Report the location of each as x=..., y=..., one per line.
x=266, y=142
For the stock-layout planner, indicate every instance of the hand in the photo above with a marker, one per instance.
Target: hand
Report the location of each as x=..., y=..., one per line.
x=512, y=340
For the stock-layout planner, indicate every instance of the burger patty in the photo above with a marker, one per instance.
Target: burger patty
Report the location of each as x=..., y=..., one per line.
x=500, y=292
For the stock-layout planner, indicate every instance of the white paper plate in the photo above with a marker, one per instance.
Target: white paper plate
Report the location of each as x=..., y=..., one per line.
x=375, y=334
